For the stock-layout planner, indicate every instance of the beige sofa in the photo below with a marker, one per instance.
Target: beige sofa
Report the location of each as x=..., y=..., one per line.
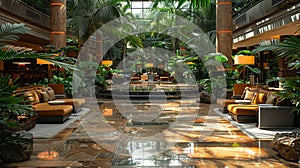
x=48, y=108
x=238, y=98
x=259, y=98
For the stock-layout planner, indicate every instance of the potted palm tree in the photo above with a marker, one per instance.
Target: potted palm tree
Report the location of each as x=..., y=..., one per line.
x=16, y=146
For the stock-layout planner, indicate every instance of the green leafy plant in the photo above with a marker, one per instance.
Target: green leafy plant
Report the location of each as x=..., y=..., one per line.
x=66, y=80
x=291, y=91
x=11, y=107
x=103, y=74
x=289, y=50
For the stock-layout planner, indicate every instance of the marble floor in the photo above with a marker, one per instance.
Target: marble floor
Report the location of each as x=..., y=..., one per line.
x=172, y=133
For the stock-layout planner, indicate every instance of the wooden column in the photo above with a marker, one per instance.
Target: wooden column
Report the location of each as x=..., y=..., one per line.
x=99, y=47
x=58, y=23
x=224, y=28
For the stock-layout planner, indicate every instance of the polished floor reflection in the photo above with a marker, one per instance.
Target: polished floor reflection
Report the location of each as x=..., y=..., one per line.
x=140, y=133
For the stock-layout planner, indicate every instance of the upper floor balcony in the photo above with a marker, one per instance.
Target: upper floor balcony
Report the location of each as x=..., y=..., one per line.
x=17, y=11
x=258, y=20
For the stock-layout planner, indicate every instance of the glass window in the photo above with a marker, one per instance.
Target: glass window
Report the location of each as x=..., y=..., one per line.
x=137, y=5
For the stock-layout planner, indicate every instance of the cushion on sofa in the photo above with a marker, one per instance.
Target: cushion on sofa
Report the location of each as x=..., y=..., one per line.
x=249, y=89
x=50, y=92
x=231, y=106
x=76, y=102
x=259, y=98
x=271, y=98
x=245, y=110
x=44, y=109
x=253, y=100
x=43, y=95
x=249, y=95
x=32, y=97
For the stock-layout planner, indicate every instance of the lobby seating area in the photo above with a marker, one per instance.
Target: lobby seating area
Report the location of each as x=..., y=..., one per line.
x=48, y=108
x=259, y=105
x=154, y=84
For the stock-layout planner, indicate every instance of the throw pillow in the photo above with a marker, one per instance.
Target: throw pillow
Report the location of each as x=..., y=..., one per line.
x=35, y=97
x=249, y=95
x=44, y=96
x=244, y=92
x=261, y=98
x=254, y=98
x=271, y=98
x=50, y=92
x=38, y=92
x=28, y=97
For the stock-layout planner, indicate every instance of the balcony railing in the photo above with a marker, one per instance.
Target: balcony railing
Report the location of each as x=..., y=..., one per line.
x=41, y=5
x=242, y=6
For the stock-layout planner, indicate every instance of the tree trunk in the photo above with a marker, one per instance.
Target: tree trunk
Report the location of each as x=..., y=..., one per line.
x=224, y=28
x=58, y=23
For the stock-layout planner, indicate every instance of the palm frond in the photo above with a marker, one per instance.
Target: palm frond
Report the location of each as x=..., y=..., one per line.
x=9, y=32
x=63, y=62
x=135, y=41
x=289, y=50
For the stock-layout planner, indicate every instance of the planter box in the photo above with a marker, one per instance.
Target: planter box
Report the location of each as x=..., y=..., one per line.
x=275, y=117
x=17, y=151
x=26, y=125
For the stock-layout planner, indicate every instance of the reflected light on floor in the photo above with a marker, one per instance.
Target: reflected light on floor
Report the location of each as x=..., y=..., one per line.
x=225, y=152
x=107, y=112
x=48, y=155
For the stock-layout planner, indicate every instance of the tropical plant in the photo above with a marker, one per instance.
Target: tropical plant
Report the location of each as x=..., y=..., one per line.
x=202, y=13
x=195, y=4
x=289, y=50
x=86, y=16
x=103, y=74
x=12, y=106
